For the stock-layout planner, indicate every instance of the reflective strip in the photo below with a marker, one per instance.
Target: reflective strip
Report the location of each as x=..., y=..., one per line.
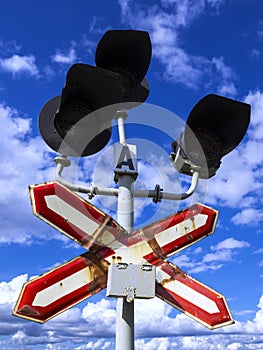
x=192, y=296
x=67, y=212
x=62, y=288
x=181, y=229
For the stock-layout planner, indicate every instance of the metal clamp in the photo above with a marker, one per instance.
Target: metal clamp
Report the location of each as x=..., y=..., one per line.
x=92, y=192
x=158, y=196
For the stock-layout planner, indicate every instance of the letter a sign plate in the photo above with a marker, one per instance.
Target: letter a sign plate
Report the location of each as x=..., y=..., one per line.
x=125, y=160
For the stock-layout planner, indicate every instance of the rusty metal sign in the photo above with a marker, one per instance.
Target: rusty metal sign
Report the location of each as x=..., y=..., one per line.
x=191, y=297
x=44, y=297
x=56, y=291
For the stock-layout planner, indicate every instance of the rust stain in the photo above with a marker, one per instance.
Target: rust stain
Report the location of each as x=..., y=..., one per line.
x=28, y=311
x=176, y=273
x=88, y=242
x=97, y=284
x=157, y=249
x=193, y=223
x=150, y=232
x=98, y=268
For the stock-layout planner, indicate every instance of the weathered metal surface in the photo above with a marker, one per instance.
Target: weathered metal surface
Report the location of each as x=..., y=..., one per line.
x=46, y=296
x=155, y=242
x=89, y=226
x=138, y=279
x=191, y=297
x=76, y=218
x=108, y=242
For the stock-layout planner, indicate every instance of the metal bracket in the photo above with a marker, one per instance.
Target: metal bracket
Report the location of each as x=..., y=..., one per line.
x=158, y=196
x=92, y=192
x=130, y=294
x=63, y=161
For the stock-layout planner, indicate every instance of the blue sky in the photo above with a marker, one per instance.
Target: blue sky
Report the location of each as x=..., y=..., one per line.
x=199, y=47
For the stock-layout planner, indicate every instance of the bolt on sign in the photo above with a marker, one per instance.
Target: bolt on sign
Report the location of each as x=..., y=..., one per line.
x=44, y=297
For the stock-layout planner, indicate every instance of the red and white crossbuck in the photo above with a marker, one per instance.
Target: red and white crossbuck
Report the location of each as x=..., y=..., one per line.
x=107, y=242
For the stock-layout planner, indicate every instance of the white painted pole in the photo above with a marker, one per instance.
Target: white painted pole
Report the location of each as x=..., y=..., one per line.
x=125, y=206
x=125, y=325
x=121, y=116
x=125, y=217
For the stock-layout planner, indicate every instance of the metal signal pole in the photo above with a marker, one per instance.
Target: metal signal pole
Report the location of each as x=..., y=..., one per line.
x=125, y=215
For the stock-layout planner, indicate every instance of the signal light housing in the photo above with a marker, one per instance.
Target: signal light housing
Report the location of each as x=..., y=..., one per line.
x=78, y=123
x=215, y=126
x=128, y=53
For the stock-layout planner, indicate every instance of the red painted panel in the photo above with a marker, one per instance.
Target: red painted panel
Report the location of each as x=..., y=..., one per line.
x=98, y=269
x=41, y=210
x=212, y=319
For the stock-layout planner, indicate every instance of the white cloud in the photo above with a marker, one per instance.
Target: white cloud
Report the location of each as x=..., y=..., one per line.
x=154, y=320
x=88, y=44
x=226, y=75
x=230, y=243
x=20, y=64
x=20, y=152
x=100, y=344
x=255, y=98
x=102, y=314
x=224, y=188
x=244, y=312
x=191, y=264
x=214, y=260
x=8, y=47
x=165, y=24
x=238, y=182
x=258, y=251
x=224, y=255
x=225, y=250
x=248, y=216
x=154, y=344
x=65, y=58
x=19, y=337
x=9, y=291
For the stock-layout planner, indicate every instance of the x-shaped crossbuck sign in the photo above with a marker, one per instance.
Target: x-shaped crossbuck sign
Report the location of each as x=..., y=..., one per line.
x=107, y=242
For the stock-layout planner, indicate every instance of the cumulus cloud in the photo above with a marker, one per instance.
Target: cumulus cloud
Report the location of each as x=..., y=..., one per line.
x=255, y=98
x=93, y=327
x=65, y=58
x=96, y=324
x=103, y=316
x=20, y=151
x=230, y=243
x=165, y=22
x=214, y=259
x=238, y=182
x=9, y=291
x=100, y=344
x=20, y=64
x=248, y=217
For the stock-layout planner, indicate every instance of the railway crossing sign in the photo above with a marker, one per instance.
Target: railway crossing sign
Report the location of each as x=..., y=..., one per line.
x=107, y=242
